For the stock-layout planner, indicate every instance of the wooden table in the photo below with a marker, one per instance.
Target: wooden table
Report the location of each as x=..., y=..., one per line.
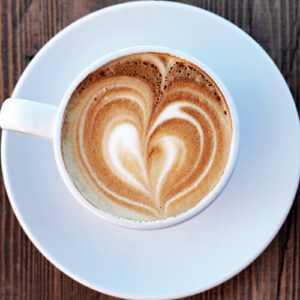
x=25, y=26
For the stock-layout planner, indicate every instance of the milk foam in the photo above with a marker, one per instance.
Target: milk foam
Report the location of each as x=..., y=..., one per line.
x=146, y=136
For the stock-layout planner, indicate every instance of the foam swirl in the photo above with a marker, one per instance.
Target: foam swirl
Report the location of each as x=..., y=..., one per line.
x=146, y=136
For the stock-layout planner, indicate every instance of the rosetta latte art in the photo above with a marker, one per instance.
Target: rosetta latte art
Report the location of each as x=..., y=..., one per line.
x=146, y=136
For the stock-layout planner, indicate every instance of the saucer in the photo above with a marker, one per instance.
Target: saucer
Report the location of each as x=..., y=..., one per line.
x=205, y=251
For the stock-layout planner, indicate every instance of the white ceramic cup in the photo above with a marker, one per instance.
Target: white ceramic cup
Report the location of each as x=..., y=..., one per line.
x=45, y=121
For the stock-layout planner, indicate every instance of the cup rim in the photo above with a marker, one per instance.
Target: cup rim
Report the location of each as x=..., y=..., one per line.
x=156, y=224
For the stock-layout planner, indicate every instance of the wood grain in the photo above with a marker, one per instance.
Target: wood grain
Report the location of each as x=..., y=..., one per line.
x=25, y=26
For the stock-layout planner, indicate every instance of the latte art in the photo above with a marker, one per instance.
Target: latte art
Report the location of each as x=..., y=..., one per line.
x=146, y=136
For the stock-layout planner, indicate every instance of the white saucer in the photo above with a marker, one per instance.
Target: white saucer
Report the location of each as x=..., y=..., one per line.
x=200, y=253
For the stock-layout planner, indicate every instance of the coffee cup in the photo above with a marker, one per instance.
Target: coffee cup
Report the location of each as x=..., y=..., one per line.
x=107, y=167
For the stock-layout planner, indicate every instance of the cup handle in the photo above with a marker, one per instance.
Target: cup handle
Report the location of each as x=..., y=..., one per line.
x=24, y=116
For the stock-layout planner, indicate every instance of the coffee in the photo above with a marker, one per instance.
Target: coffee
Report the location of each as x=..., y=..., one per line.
x=146, y=136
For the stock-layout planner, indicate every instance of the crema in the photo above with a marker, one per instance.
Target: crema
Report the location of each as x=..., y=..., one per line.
x=146, y=136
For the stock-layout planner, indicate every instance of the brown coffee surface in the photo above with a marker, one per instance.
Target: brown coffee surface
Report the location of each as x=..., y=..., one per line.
x=146, y=136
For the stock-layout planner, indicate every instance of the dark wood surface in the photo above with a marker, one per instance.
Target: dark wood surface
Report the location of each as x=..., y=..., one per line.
x=25, y=26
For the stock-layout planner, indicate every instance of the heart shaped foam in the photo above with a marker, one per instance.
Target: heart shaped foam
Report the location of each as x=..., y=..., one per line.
x=146, y=136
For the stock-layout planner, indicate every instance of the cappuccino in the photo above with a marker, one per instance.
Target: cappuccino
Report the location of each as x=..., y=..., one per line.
x=146, y=136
